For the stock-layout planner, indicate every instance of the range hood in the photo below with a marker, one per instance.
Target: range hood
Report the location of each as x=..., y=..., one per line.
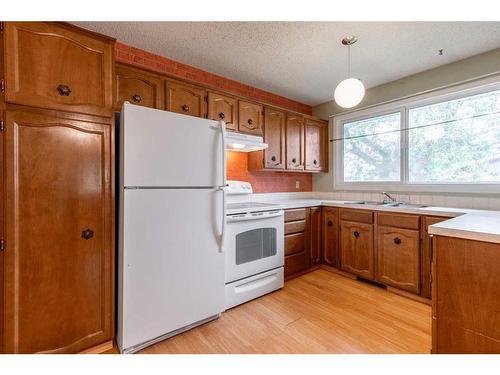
x=244, y=142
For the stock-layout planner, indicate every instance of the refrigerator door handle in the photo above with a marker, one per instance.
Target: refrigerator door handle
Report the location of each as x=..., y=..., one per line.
x=222, y=125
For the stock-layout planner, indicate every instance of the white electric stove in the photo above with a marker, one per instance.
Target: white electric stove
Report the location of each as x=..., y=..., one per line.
x=254, y=246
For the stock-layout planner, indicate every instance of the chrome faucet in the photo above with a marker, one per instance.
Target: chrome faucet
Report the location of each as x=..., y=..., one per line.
x=388, y=198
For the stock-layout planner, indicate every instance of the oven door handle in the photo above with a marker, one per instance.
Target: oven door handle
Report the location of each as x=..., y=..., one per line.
x=254, y=216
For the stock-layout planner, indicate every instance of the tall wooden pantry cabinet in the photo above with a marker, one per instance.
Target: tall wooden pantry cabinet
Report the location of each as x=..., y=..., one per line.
x=57, y=227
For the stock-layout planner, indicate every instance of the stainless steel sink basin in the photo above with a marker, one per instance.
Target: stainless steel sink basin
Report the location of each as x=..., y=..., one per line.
x=389, y=204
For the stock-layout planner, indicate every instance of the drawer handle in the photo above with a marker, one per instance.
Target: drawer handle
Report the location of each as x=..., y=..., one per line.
x=222, y=115
x=185, y=108
x=356, y=234
x=397, y=241
x=136, y=98
x=330, y=223
x=315, y=162
x=294, y=160
x=87, y=234
x=250, y=122
x=64, y=90
x=273, y=158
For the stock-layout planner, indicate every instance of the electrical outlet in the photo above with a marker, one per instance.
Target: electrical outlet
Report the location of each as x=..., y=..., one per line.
x=297, y=184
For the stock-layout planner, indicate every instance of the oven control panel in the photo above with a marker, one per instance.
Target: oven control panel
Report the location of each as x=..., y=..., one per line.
x=239, y=187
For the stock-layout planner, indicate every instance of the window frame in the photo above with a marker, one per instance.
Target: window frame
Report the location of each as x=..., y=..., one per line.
x=404, y=106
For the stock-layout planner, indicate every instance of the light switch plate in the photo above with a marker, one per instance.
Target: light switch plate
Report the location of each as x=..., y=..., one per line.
x=297, y=184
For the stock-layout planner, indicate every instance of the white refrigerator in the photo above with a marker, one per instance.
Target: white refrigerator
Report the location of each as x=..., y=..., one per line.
x=172, y=217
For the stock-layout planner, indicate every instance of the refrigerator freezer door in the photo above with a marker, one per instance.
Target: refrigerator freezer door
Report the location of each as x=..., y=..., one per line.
x=166, y=149
x=171, y=271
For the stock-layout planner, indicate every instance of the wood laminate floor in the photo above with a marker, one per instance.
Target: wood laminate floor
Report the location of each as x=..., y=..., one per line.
x=319, y=312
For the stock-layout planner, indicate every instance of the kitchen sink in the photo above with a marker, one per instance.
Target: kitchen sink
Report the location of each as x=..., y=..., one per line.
x=389, y=204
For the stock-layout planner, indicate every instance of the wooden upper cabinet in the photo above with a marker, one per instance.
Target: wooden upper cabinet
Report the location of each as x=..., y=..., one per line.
x=356, y=249
x=315, y=236
x=56, y=66
x=138, y=87
x=330, y=234
x=316, y=145
x=223, y=107
x=398, y=256
x=294, y=142
x=250, y=117
x=274, y=136
x=186, y=99
x=59, y=264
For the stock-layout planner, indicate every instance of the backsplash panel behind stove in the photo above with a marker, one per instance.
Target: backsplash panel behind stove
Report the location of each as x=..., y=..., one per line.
x=265, y=181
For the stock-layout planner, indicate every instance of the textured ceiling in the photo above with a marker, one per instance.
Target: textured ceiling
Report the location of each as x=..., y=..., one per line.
x=304, y=61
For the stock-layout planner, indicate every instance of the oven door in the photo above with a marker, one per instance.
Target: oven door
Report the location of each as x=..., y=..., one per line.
x=254, y=243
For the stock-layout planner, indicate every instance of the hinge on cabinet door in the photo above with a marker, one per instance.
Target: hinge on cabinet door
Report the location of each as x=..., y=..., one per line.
x=1, y=126
x=1, y=26
x=2, y=245
x=2, y=85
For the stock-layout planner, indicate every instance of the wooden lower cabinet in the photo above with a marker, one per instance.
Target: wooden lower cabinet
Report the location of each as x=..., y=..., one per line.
x=398, y=258
x=466, y=307
x=356, y=249
x=297, y=223
x=330, y=234
x=426, y=255
x=315, y=236
x=58, y=255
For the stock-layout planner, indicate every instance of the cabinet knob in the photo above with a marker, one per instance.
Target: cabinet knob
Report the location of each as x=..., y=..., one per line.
x=250, y=121
x=356, y=234
x=330, y=223
x=222, y=115
x=64, y=90
x=397, y=240
x=273, y=158
x=136, y=98
x=185, y=108
x=294, y=160
x=87, y=234
x=315, y=162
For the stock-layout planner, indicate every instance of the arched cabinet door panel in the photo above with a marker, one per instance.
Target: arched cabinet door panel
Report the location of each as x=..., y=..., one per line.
x=59, y=235
x=50, y=65
x=138, y=87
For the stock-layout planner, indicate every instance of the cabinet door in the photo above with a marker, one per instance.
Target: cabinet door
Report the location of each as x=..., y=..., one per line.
x=330, y=236
x=185, y=99
x=356, y=249
x=54, y=66
x=315, y=140
x=59, y=235
x=315, y=236
x=398, y=255
x=138, y=87
x=250, y=118
x=222, y=107
x=294, y=142
x=274, y=136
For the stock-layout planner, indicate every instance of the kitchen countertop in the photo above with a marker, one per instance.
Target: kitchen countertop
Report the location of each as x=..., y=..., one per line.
x=479, y=225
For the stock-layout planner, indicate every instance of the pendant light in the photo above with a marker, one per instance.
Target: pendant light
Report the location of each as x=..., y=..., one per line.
x=350, y=91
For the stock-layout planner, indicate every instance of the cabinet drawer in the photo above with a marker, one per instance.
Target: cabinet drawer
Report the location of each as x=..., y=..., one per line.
x=295, y=227
x=358, y=216
x=295, y=263
x=398, y=220
x=55, y=66
x=294, y=243
x=295, y=214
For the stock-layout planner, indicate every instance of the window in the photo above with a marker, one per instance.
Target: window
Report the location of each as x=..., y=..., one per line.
x=457, y=141
x=449, y=142
x=372, y=149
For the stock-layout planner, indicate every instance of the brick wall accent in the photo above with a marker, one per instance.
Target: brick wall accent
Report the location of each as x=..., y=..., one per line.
x=265, y=181
x=143, y=59
x=237, y=163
